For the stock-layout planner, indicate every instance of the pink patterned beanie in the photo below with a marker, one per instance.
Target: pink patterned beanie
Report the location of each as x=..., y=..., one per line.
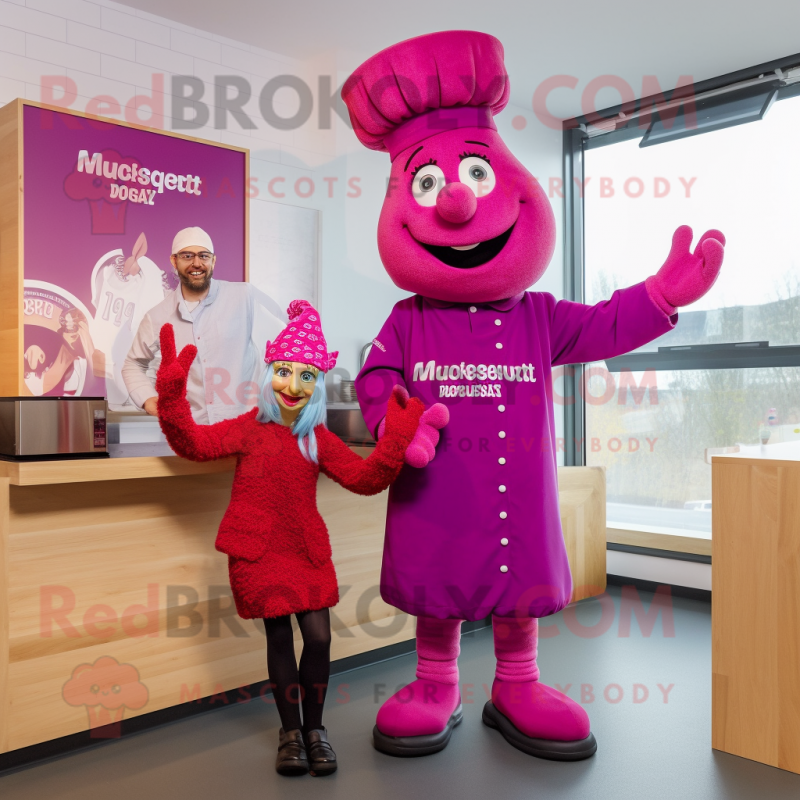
x=302, y=339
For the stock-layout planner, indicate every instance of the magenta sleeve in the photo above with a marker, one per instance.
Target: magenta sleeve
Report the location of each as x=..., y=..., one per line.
x=384, y=367
x=626, y=321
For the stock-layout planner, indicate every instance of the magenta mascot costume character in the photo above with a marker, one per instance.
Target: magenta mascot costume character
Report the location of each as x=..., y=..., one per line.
x=477, y=531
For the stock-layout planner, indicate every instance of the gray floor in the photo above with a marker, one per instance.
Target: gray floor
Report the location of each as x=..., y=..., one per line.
x=646, y=750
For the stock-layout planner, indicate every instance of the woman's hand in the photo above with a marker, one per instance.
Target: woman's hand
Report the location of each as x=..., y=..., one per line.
x=422, y=447
x=173, y=373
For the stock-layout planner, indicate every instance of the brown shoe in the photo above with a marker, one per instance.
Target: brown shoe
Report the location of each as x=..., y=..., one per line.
x=320, y=753
x=292, y=758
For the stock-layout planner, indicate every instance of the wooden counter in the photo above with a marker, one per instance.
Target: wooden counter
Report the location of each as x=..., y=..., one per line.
x=106, y=562
x=755, y=614
x=42, y=473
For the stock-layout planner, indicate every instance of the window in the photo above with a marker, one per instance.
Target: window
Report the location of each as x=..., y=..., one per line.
x=728, y=374
x=654, y=435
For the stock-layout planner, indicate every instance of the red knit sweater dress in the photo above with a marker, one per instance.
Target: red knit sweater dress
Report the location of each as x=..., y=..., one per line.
x=278, y=548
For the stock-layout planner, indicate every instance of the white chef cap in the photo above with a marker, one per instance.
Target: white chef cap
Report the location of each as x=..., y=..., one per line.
x=191, y=237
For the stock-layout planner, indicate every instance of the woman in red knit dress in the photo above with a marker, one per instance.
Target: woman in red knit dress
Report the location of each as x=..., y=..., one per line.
x=279, y=553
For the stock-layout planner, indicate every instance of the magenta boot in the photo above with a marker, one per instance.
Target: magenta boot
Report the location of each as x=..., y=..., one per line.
x=531, y=716
x=419, y=719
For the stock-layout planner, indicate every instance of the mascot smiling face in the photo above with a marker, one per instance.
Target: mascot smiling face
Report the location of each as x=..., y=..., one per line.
x=463, y=220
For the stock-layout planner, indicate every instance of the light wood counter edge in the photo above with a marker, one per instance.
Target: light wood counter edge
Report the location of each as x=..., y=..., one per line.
x=659, y=541
x=82, y=470
x=755, y=462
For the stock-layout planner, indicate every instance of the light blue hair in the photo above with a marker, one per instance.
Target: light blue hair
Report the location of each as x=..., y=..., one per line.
x=313, y=413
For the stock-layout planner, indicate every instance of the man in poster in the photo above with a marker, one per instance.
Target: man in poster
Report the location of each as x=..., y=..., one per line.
x=228, y=322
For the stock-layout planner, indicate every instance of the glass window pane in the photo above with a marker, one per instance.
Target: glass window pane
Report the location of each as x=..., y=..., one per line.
x=651, y=432
x=742, y=181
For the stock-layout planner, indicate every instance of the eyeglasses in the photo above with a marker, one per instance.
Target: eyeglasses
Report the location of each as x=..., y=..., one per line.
x=186, y=258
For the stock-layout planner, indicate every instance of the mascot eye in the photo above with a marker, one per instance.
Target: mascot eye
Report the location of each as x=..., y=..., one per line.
x=477, y=174
x=427, y=182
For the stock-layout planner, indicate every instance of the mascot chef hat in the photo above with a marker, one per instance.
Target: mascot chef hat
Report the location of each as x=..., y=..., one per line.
x=426, y=85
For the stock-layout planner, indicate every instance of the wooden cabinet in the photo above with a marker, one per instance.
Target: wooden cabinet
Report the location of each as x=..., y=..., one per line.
x=756, y=610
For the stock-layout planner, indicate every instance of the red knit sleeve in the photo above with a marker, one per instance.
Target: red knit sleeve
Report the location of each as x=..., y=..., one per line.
x=360, y=475
x=375, y=473
x=199, y=442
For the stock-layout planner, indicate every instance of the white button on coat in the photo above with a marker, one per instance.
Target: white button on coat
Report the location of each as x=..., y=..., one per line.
x=504, y=541
x=473, y=309
x=497, y=322
x=504, y=568
x=501, y=460
x=501, y=408
x=503, y=515
x=502, y=434
x=499, y=345
x=502, y=488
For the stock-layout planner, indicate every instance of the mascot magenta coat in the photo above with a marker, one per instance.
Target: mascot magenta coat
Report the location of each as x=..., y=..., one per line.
x=468, y=230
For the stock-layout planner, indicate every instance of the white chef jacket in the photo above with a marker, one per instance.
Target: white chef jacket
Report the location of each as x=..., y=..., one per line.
x=229, y=327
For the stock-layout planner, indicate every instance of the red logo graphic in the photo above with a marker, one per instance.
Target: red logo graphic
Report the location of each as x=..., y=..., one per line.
x=91, y=180
x=106, y=688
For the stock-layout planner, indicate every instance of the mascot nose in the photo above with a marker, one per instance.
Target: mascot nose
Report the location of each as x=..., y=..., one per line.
x=456, y=202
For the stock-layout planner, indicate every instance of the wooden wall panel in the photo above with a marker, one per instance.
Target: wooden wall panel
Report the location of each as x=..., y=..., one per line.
x=582, y=501
x=10, y=249
x=5, y=694
x=756, y=610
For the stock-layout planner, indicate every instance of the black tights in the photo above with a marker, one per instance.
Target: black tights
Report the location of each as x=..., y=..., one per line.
x=311, y=681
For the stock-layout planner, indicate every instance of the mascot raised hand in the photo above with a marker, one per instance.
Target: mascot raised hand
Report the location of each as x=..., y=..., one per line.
x=476, y=531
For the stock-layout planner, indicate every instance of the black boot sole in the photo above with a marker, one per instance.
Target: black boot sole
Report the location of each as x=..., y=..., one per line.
x=321, y=772
x=292, y=771
x=541, y=748
x=410, y=746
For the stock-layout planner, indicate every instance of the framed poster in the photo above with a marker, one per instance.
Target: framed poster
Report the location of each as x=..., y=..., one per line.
x=95, y=205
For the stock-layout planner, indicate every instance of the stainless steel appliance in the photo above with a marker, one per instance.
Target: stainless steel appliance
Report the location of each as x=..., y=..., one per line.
x=347, y=388
x=362, y=359
x=52, y=427
x=347, y=422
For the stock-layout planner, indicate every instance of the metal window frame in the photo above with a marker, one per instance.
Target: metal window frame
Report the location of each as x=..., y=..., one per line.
x=627, y=120
x=574, y=289
x=734, y=355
